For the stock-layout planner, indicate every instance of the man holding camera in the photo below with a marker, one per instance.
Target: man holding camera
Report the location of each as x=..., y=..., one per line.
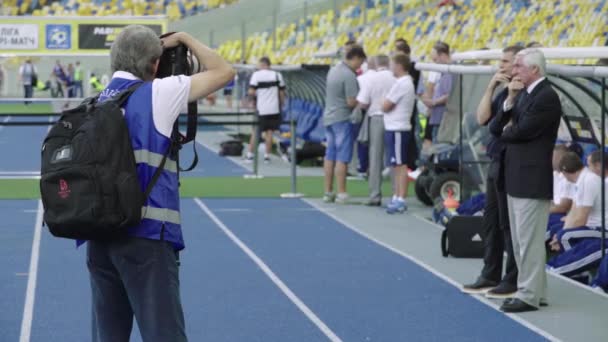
x=138, y=275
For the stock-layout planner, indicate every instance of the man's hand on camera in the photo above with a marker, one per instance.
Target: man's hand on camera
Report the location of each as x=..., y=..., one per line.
x=172, y=40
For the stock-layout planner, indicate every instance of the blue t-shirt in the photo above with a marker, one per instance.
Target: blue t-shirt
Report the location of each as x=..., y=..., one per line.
x=495, y=146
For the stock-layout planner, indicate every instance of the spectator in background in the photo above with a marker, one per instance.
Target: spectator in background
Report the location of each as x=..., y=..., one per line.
x=228, y=93
x=563, y=193
x=242, y=81
x=398, y=107
x=579, y=241
x=269, y=89
x=28, y=76
x=340, y=99
x=496, y=212
x=436, y=104
x=371, y=96
x=78, y=76
x=70, y=80
x=346, y=48
x=95, y=84
x=60, y=76
x=363, y=146
x=594, y=163
x=401, y=46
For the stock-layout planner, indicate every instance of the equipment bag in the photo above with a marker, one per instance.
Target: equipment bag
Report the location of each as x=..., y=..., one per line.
x=233, y=148
x=89, y=184
x=463, y=237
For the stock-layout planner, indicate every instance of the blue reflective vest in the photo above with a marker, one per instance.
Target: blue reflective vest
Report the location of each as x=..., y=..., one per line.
x=161, y=217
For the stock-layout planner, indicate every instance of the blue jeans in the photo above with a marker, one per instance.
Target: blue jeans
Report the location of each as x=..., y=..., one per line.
x=28, y=90
x=135, y=277
x=362, y=152
x=78, y=89
x=340, y=141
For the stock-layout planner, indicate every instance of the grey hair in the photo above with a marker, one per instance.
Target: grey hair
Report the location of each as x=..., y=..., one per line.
x=534, y=57
x=383, y=61
x=135, y=50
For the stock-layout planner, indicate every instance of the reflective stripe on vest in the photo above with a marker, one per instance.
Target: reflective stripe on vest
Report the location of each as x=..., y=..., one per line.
x=154, y=160
x=161, y=214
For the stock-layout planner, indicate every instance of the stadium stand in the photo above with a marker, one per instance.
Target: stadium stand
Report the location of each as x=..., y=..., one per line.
x=174, y=10
x=552, y=23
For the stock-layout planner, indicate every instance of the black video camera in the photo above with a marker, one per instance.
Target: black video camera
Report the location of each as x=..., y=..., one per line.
x=178, y=61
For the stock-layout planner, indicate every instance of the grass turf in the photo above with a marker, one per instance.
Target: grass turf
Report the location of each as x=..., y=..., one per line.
x=216, y=187
x=20, y=108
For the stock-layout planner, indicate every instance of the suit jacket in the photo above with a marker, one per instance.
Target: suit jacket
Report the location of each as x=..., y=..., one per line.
x=529, y=142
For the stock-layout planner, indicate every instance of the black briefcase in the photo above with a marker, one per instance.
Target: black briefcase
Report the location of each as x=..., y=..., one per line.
x=463, y=237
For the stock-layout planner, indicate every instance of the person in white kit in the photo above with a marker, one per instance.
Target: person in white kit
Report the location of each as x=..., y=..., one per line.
x=563, y=192
x=372, y=93
x=580, y=240
x=269, y=89
x=398, y=107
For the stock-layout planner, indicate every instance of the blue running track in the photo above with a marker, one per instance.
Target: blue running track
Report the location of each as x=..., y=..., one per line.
x=360, y=290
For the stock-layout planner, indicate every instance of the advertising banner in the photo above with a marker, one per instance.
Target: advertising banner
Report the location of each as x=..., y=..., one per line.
x=18, y=36
x=101, y=36
x=24, y=36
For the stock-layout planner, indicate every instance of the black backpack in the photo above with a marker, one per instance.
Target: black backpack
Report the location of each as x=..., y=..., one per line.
x=463, y=237
x=232, y=148
x=89, y=184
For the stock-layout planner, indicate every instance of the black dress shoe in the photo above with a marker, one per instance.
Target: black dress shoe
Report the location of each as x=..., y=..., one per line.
x=373, y=203
x=503, y=290
x=480, y=286
x=517, y=305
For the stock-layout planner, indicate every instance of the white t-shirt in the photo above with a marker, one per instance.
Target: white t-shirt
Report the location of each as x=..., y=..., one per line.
x=403, y=95
x=588, y=194
x=561, y=188
x=264, y=82
x=433, y=77
x=374, y=88
x=169, y=99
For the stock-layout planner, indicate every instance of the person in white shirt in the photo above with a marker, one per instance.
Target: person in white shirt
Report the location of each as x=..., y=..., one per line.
x=269, y=89
x=398, y=107
x=137, y=276
x=579, y=241
x=361, y=129
x=563, y=192
x=27, y=73
x=373, y=91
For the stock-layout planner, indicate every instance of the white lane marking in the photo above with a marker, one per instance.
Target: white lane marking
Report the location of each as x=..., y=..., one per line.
x=6, y=119
x=30, y=293
x=447, y=279
x=270, y=274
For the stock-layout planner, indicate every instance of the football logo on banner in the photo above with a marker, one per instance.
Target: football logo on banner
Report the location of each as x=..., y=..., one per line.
x=58, y=37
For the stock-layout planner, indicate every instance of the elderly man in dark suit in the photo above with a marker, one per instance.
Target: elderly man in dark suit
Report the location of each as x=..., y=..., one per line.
x=527, y=123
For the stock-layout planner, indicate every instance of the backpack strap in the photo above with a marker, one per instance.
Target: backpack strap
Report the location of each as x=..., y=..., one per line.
x=120, y=99
x=156, y=174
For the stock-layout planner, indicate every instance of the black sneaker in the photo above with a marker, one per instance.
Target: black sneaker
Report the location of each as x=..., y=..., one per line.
x=480, y=286
x=503, y=290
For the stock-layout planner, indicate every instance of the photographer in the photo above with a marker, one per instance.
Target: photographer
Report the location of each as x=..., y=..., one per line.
x=138, y=275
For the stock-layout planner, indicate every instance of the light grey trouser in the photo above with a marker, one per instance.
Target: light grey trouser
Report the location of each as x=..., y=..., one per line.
x=376, y=157
x=529, y=218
